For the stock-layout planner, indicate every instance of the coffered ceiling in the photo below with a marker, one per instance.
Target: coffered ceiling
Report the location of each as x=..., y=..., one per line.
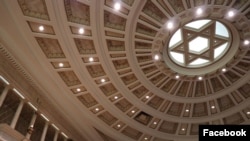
x=106, y=74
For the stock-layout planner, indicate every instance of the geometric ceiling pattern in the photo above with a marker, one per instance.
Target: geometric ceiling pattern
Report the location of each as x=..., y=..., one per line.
x=97, y=65
x=199, y=43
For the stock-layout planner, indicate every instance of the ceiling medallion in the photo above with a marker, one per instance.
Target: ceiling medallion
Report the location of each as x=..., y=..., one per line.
x=199, y=43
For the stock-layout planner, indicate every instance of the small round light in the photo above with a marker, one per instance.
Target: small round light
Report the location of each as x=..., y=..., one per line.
x=116, y=97
x=187, y=110
x=103, y=80
x=156, y=57
x=200, y=78
x=224, y=70
x=155, y=123
x=41, y=28
x=97, y=109
x=118, y=125
x=231, y=13
x=183, y=129
x=212, y=107
x=145, y=138
x=133, y=111
x=246, y=42
x=78, y=89
x=117, y=6
x=177, y=76
x=81, y=31
x=199, y=11
x=248, y=113
x=61, y=64
x=91, y=59
x=170, y=25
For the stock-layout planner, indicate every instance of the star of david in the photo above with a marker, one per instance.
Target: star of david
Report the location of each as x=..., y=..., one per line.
x=204, y=50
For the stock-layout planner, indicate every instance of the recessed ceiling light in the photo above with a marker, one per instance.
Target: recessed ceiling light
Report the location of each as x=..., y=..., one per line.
x=118, y=125
x=61, y=64
x=231, y=13
x=117, y=6
x=133, y=111
x=212, y=107
x=91, y=59
x=103, y=80
x=156, y=57
x=224, y=70
x=170, y=25
x=78, y=89
x=187, y=110
x=200, y=78
x=147, y=97
x=97, y=109
x=155, y=123
x=177, y=76
x=145, y=138
x=246, y=42
x=81, y=31
x=41, y=28
x=248, y=113
x=199, y=11
x=116, y=97
x=183, y=129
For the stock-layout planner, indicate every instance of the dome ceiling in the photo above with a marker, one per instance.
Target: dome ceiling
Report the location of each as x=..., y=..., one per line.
x=113, y=67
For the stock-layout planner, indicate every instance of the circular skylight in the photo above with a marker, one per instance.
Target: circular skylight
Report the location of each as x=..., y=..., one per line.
x=199, y=43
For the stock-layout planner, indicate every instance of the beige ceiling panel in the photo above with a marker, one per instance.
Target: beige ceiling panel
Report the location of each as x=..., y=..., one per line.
x=107, y=118
x=87, y=100
x=69, y=77
x=233, y=119
x=114, y=21
x=50, y=47
x=77, y=12
x=169, y=127
x=132, y=133
x=34, y=8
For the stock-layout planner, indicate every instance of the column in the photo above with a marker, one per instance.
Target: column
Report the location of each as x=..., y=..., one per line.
x=4, y=94
x=31, y=126
x=17, y=114
x=56, y=135
x=45, y=128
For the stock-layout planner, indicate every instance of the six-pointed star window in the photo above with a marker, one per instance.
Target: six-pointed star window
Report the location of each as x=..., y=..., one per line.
x=199, y=43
